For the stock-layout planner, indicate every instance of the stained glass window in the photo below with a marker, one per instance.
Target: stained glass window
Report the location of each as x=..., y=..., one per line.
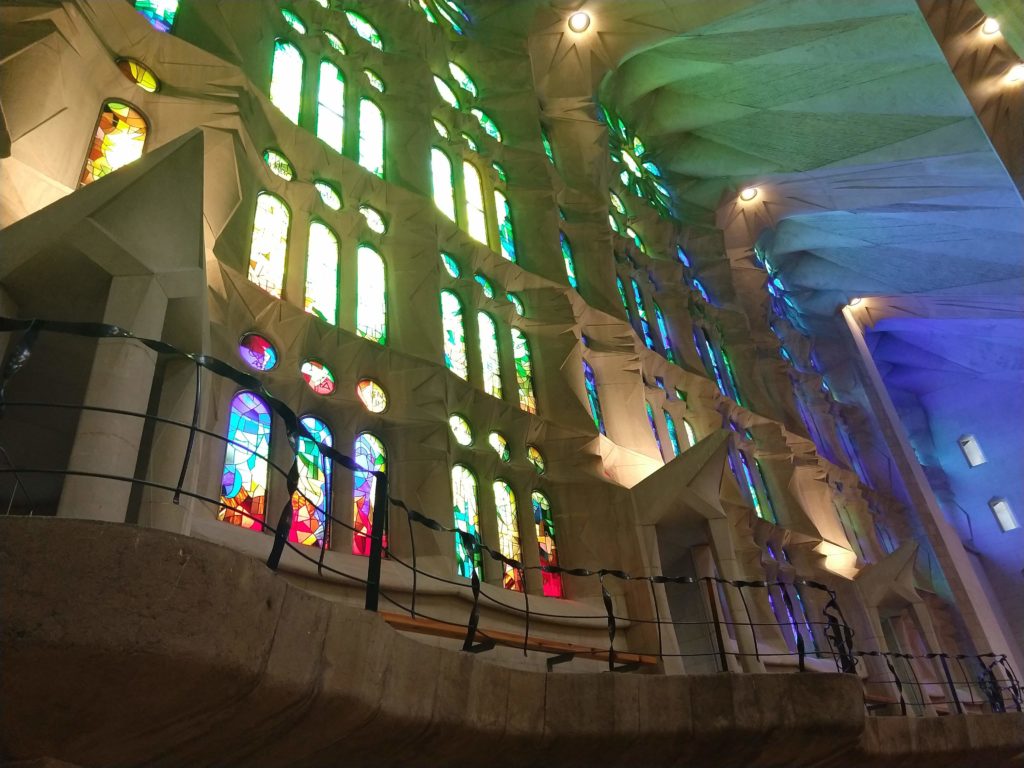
x=505, y=233
x=467, y=519
x=372, y=298
x=159, y=13
x=485, y=284
x=286, y=80
x=516, y=303
x=524, y=371
x=617, y=203
x=592, y=397
x=374, y=79
x=476, y=220
x=544, y=524
x=330, y=106
x=663, y=329
x=461, y=430
x=508, y=534
x=535, y=457
x=612, y=223
x=489, y=354
x=732, y=377
x=448, y=17
x=751, y=486
x=243, y=489
x=641, y=312
x=119, y=139
x=470, y=142
x=372, y=456
x=462, y=78
x=673, y=436
x=365, y=29
x=570, y=263
x=318, y=377
x=499, y=443
x=691, y=436
x=681, y=255
x=442, y=181
x=500, y=171
x=427, y=12
x=373, y=218
x=372, y=395
x=447, y=94
x=547, y=145
x=311, y=502
x=453, y=323
x=654, y=426
x=768, y=505
x=371, y=137
x=335, y=42
x=329, y=195
x=269, y=243
x=293, y=21
x=138, y=74
x=622, y=296
x=489, y=126
x=322, y=273
x=278, y=164
x=441, y=128
x=451, y=266
x=257, y=352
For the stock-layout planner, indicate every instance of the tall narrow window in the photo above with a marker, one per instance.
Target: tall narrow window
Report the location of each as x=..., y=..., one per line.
x=752, y=488
x=763, y=485
x=654, y=427
x=641, y=311
x=524, y=371
x=489, y=359
x=371, y=137
x=372, y=457
x=623, y=298
x=286, y=79
x=330, y=106
x=311, y=502
x=691, y=436
x=595, y=402
x=159, y=13
x=732, y=377
x=243, y=488
x=505, y=232
x=570, y=262
x=453, y=323
x=269, y=243
x=119, y=139
x=372, y=298
x=508, y=534
x=476, y=220
x=442, y=182
x=666, y=339
x=673, y=436
x=467, y=519
x=322, y=273
x=548, y=550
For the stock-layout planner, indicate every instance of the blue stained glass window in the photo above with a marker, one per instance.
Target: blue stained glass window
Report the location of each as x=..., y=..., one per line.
x=311, y=502
x=570, y=263
x=371, y=455
x=673, y=436
x=467, y=518
x=659, y=317
x=243, y=490
x=654, y=427
x=590, y=382
x=159, y=13
x=505, y=233
x=641, y=311
x=622, y=296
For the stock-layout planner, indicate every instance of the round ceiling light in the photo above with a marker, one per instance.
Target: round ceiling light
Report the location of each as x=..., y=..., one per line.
x=855, y=302
x=1016, y=73
x=990, y=26
x=748, y=194
x=579, y=21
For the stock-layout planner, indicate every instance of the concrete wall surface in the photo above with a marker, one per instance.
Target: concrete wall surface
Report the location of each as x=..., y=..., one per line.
x=131, y=646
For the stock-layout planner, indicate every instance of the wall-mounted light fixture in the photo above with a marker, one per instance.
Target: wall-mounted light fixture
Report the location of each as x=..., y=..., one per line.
x=1004, y=514
x=990, y=26
x=855, y=302
x=748, y=193
x=1016, y=73
x=579, y=22
x=972, y=450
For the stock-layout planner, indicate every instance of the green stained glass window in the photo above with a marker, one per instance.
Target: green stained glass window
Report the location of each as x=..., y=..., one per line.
x=467, y=520
x=476, y=219
x=442, y=182
x=293, y=20
x=329, y=195
x=489, y=126
x=453, y=324
x=751, y=486
x=508, y=534
x=322, y=273
x=768, y=505
x=498, y=169
x=691, y=436
x=524, y=371
x=446, y=92
x=547, y=145
x=119, y=139
x=269, y=243
x=159, y=13
x=590, y=382
x=499, y=443
x=243, y=490
x=544, y=525
x=535, y=457
x=371, y=305
x=441, y=128
x=622, y=295
x=335, y=42
x=450, y=264
x=278, y=164
x=330, y=106
x=673, y=436
x=490, y=362
x=666, y=339
x=371, y=455
x=654, y=426
x=372, y=395
x=517, y=304
x=460, y=429
x=286, y=80
x=485, y=284
x=311, y=501
x=371, y=137
x=505, y=232
x=470, y=142
x=613, y=223
x=617, y=203
x=462, y=78
x=641, y=311
x=373, y=218
x=138, y=74
x=455, y=7
x=427, y=12
x=732, y=377
x=374, y=79
x=365, y=29
x=448, y=17
x=570, y=263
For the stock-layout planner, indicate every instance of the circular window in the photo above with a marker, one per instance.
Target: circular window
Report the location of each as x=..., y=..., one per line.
x=500, y=445
x=372, y=395
x=461, y=429
x=318, y=377
x=534, y=456
x=257, y=352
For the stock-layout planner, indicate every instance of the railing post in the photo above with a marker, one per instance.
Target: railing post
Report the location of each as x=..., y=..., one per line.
x=949, y=682
x=377, y=531
x=718, y=629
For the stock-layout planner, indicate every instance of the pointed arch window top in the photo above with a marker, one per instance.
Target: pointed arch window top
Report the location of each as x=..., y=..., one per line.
x=119, y=139
x=365, y=29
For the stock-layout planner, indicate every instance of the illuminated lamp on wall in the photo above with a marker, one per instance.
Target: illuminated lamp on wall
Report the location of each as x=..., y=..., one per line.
x=972, y=450
x=1004, y=514
x=990, y=26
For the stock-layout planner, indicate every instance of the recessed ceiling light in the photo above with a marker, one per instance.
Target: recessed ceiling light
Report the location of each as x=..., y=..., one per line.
x=579, y=21
x=1016, y=73
x=855, y=302
x=990, y=26
x=748, y=194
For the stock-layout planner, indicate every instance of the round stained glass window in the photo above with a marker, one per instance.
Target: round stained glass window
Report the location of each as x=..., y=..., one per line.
x=373, y=219
x=329, y=195
x=278, y=164
x=500, y=445
x=534, y=456
x=138, y=74
x=461, y=429
x=372, y=394
x=318, y=377
x=257, y=352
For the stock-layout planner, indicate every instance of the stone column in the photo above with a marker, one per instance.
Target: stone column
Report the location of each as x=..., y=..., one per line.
x=121, y=377
x=728, y=568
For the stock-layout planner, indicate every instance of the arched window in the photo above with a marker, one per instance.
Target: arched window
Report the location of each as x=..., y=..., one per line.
x=365, y=29
x=755, y=496
x=623, y=298
x=691, y=436
x=524, y=371
x=372, y=457
x=490, y=362
x=372, y=298
x=269, y=243
x=641, y=311
x=654, y=427
x=371, y=137
x=453, y=323
x=442, y=182
x=243, y=488
x=670, y=355
x=467, y=519
x=505, y=232
x=732, y=377
x=476, y=221
x=119, y=139
x=286, y=79
x=159, y=13
x=548, y=550
x=570, y=263
x=673, y=436
x=311, y=502
x=763, y=486
x=508, y=534
x=595, y=402
x=322, y=273
x=330, y=106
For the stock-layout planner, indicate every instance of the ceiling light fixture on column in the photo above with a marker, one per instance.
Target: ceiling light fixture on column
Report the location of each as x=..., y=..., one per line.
x=990, y=26
x=748, y=194
x=579, y=22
